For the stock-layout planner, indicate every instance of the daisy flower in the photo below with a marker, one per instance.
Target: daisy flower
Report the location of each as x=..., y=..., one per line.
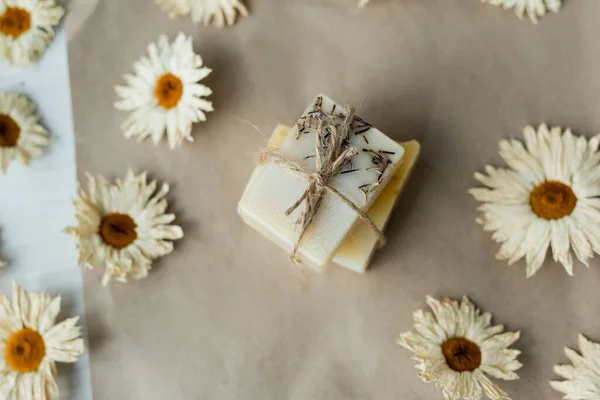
x=548, y=198
x=217, y=12
x=123, y=227
x=32, y=343
x=534, y=8
x=27, y=28
x=457, y=347
x=582, y=377
x=21, y=135
x=164, y=93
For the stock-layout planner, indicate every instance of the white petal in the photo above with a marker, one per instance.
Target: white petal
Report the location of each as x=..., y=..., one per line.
x=582, y=378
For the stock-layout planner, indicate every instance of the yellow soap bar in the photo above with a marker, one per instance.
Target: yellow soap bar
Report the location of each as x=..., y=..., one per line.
x=358, y=248
x=356, y=251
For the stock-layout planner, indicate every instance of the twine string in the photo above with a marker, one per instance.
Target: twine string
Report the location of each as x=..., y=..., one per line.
x=332, y=154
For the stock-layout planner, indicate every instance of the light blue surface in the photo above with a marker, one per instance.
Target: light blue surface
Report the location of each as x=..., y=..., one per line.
x=36, y=204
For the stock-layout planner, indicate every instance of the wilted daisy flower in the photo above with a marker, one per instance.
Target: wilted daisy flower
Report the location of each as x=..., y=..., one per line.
x=534, y=8
x=21, y=135
x=582, y=377
x=217, y=12
x=32, y=344
x=548, y=198
x=27, y=28
x=123, y=227
x=457, y=347
x=164, y=94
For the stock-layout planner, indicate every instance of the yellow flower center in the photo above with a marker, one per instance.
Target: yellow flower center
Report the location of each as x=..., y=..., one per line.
x=169, y=90
x=461, y=354
x=9, y=131
x=25, y=351
x=552, y=200
x=118, y=230
x=15, y=21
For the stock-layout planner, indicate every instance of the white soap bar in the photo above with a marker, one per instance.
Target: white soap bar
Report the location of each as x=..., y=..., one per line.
x=275, y=189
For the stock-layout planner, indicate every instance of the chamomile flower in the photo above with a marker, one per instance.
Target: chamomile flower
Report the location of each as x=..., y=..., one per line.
x=548, y=198
x=122, y=227
x=533, y=8
x=164, y=93
x=27, y=28
x=216, y=12
x=456, y=347
x=582, y=376
x=31, y=343
x=21, y=135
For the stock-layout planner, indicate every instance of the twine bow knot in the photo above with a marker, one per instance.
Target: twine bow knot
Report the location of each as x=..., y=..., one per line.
x=332, y=155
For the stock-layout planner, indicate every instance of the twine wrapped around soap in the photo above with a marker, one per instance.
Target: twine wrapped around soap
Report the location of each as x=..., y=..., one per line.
x=332, y=154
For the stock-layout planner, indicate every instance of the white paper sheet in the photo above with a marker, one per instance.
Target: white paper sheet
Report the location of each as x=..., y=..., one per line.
x=36, y=205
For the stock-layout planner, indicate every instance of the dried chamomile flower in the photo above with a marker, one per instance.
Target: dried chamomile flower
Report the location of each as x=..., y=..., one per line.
x=27, y=28
x=582, y=377
x=122, y=227
x=456, y=347
x=21, y=135
x=165, y=93
x=548, y=198
x=216, y=12
x=32, y=343
x=533, y=8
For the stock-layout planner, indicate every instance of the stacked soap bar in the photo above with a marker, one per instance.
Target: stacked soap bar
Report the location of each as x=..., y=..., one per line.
x=372, y=180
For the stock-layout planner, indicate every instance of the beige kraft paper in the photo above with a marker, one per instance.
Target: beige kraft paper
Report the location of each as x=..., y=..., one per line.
x=225, y=316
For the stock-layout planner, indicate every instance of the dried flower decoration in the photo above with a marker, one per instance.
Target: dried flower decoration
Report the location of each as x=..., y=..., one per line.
x=123, y=227
x=548, y=198
x=27, y=28
x=33, y=343
x=215, y=12
x=582, y=377
x=533, y=8
x=165, y=93
x=456, y=347
x=21, y=135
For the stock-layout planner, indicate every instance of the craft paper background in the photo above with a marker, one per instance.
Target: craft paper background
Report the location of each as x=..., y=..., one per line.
x=35, y=205
x=225, y=316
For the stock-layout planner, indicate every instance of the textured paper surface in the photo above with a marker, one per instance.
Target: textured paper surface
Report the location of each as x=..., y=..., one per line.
x=35, y=206
x=223, y=317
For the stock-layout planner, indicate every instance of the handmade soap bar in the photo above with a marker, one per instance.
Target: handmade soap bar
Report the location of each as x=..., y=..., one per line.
x=359, y=246
x=275, y=188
